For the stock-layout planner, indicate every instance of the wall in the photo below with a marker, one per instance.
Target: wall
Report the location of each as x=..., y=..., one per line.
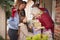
x=48, y=5
x=53, y=9
x=2, y=23
x=57, y=19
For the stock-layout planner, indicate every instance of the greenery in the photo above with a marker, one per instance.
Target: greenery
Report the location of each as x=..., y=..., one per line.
x=7, y=4
x=37, y=37
x=1, y=38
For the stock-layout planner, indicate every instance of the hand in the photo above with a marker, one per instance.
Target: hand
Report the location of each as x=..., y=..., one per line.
x=41, y=27
x=25, y=20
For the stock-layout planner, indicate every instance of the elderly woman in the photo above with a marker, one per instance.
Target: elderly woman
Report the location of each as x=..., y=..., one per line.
x=45, y=21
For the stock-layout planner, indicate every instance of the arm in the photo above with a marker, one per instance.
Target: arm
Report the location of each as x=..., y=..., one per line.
x=24, y=20
x=18, y=30
x=39, y=28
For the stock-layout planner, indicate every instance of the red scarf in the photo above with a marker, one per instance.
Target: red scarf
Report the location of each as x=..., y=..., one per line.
x=13, y=11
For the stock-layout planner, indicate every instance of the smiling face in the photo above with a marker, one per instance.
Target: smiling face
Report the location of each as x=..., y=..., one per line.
x=22, y=6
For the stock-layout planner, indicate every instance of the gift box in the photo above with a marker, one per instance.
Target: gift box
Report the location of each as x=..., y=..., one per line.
x=36, y=23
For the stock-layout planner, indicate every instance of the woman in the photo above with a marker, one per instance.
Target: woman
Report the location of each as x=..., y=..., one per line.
x=23, y=32
x=13, y=24
x=22, y=26
x=49, y=24
x=45, y=20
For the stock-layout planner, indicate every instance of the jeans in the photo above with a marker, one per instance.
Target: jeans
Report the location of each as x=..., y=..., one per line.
x=13, y=34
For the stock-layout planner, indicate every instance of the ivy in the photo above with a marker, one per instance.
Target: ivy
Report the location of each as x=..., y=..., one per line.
x=7, y=4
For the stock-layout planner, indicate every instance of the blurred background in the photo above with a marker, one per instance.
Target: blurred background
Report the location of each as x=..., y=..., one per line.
x=53, y=6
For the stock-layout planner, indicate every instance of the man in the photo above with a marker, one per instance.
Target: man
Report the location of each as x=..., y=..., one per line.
x=13, y=24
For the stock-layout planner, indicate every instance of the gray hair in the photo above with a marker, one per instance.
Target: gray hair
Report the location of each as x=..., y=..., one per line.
x=36, y=11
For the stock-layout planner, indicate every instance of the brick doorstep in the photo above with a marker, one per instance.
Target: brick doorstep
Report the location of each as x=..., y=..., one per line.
x=57, y=8
x=58, y=22
x=58, y=12
x=58, y=16
x=58, y=5
x=57, y=34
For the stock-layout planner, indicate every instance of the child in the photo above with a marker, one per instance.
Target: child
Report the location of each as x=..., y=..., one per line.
x=37, y=26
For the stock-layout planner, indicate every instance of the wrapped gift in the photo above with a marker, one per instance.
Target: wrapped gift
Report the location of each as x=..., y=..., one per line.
x=36, y=23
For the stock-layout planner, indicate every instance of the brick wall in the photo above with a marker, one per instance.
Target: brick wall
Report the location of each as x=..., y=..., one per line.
x=57, y=19
x=58, y=11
